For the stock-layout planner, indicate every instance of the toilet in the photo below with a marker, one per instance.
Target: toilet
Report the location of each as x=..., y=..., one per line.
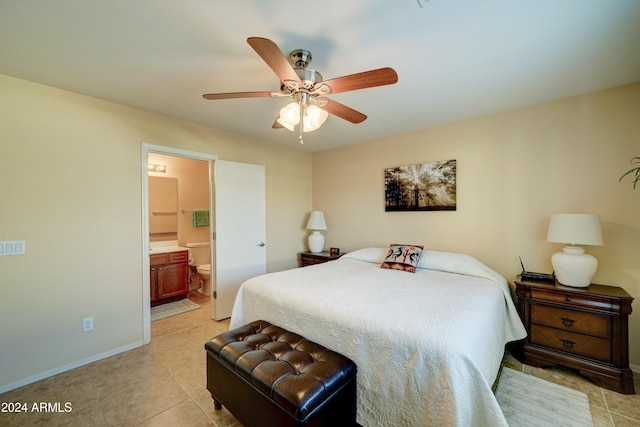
x=200, y=257
x=204, y=271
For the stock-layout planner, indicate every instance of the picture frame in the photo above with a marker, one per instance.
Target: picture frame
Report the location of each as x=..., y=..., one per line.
x=421, y=187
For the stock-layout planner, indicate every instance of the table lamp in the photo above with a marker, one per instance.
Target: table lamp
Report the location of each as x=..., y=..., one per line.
x=316, y=239
x=572, y=266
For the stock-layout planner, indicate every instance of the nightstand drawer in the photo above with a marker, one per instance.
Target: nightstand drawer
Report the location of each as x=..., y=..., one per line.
x=578, y=300
x=584, y=345
x=574, y=321
x=311, y=258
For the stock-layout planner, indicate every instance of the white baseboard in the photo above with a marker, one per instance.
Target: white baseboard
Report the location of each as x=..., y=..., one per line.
x=67, y=367
x=635, y=368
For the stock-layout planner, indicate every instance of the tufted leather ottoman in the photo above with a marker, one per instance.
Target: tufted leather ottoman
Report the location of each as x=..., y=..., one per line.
x=267, y=376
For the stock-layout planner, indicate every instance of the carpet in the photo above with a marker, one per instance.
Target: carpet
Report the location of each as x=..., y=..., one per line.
x=163, y=311
x=529, y=401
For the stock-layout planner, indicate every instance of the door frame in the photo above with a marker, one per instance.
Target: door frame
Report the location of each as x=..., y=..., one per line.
x=147, y=148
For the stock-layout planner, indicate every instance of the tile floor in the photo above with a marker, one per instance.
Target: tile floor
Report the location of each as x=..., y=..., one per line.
x=164, y=384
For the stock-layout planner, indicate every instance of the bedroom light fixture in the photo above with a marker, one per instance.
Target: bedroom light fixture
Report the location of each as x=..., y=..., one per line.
x=157, y=168
x=573, y=267
x=301, y=110
x=316, y=239
x=313, y=116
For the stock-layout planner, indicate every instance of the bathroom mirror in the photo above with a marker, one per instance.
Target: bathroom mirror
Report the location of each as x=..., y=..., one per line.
x=163, y=208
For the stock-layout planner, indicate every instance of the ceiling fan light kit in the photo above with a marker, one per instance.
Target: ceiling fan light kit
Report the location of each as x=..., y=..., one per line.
x=310, y=107
x=312, y=116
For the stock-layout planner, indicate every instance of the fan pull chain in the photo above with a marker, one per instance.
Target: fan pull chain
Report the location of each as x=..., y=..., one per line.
x=301, y=122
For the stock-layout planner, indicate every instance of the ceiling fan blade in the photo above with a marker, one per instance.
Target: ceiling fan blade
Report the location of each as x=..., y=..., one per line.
x=273, y=56
x=276, y=124
x=342, y=111
x=236, y=95
x=373, y=78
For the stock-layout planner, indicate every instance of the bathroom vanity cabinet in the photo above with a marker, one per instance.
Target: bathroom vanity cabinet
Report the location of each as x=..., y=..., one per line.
x=169, y=277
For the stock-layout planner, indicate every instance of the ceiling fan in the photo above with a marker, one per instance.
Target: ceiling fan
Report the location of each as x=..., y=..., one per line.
x=310, y=106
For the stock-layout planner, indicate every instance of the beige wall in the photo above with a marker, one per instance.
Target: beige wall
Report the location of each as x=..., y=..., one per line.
x=514, y=170
x=70, y=186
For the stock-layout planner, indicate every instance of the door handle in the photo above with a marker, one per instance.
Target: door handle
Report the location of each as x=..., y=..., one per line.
x=261, y=244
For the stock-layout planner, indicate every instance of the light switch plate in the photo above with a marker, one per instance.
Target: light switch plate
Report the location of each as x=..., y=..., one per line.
x=12, y=247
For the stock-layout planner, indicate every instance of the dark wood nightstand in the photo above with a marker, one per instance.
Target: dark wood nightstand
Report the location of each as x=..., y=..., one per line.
x=310, y=258
x=581, y=328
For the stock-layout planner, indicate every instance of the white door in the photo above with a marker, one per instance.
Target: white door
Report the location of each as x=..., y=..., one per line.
x=240, y=231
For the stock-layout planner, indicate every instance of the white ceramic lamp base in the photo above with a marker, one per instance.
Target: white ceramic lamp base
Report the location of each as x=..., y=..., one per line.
x=573, y=267
x=316, y=242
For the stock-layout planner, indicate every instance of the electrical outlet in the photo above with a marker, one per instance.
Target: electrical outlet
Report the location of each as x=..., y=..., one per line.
x=87, y=324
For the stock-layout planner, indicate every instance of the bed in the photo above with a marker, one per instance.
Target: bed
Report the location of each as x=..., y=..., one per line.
x=428, y=345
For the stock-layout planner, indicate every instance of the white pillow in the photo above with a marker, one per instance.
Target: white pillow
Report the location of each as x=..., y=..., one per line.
x=433, y=260
x=453, y=262
x=375, y=255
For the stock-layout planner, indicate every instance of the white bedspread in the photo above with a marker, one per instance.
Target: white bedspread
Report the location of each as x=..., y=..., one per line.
x=428, y=345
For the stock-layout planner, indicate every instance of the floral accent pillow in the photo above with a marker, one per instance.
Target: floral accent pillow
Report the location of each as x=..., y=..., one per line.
x=402, y=257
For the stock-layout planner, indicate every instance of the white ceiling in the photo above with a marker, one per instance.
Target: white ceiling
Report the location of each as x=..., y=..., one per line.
x=455, y=59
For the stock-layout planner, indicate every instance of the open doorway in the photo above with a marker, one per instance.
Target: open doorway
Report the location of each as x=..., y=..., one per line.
x=193, y=172
x=179, y=217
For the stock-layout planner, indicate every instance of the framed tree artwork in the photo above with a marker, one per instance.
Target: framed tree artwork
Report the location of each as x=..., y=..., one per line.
x=421, y=187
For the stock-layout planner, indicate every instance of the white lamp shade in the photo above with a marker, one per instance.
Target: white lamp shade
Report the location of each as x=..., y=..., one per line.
x=575, y=229
x=316, y=221
x=572, y=266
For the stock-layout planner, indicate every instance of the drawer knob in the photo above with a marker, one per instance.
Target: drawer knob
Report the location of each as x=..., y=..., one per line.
x=567, y=299
x=567, y=322
x=568, y=344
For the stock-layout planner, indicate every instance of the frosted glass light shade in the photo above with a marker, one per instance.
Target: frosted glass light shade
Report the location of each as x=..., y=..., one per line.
x=312, y=119
x=289, y=115
x=572, y=266
x=284, y=124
